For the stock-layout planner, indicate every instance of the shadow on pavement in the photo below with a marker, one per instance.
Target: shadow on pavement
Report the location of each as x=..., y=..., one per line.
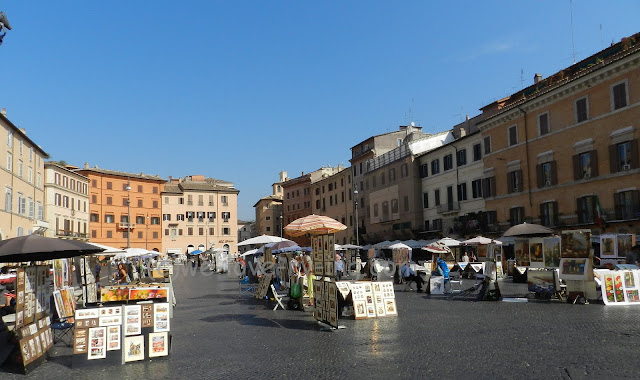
x=252, y=320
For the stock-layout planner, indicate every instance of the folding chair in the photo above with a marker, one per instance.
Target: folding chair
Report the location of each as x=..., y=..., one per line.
x=278, y=296
x=245, y=285
x=61, y=329
x=408, y=283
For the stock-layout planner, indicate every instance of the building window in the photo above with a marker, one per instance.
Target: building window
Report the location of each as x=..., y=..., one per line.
x=543, y=124
x=20, y=168
x=94, y=218
x=448, y=162
x=140, y=220
x=8, y=199
x=166, y=200
x=462, y=192
x=425, y=200
x=200, y=231
x=477, y=152
x=514, y=179
x=513, y=135
x=382, y=178
x=226, y=231
x=125, y=201
x=375, y=210
x=549, y=214
x=392, y=174
x=109, y=234
x=94, y=198
x=582, y=110
x=139, y=234
x=476, y=188
x=585, y=165
x=516, y=215
x=586, y=209
x=424, y=171
x=189, y=200
x=436, y=225
x=180, y=217
x=461, y=157
x=624, y=156
x=404, y=170
x=181, y=200
x=226, y=216
x=155, y=220
x=109, y=200
x=109, y=185
x=155, y=190
x=489, y=187
x=627, y=205
x=109, y=218
x=10, y=139
x=225, y=202
x=190, y=231
x=436, y=197
x=619, y=95
x=487, y=145
x=211, y=200
x=211, y=231
x=546, y=174
x=211, y=215
x=155, y=204
x=166, y=217
x=155, y=234
x=200, y=200
x=9, y=162
x=140, y=203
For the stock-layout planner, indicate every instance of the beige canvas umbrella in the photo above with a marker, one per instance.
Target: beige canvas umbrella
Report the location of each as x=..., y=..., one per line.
x=313, y=224
x=528, y=229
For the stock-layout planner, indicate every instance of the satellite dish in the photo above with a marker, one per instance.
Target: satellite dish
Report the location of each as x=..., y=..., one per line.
x=4, y=21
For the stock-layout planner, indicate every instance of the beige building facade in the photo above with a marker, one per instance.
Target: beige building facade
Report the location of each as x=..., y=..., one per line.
x=269, y=215
x=67, y=202
x=199, y=213
x=333, y=197
x=22, y=178
x=564, y=151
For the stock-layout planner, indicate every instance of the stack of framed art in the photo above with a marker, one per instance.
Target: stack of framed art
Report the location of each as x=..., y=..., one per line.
x=121, y=334
x=323, y=254
x=619, y=287
x=325, y=295
x=33, y=326
x=615, y=247
x=373, y=299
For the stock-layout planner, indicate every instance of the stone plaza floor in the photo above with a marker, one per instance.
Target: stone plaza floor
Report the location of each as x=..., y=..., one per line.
x=220, y=333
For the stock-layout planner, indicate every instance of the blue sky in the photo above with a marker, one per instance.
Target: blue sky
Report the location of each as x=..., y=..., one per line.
x=241, y=90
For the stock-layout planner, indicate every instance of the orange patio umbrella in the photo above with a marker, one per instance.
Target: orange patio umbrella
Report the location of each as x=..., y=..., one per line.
x=314, y=225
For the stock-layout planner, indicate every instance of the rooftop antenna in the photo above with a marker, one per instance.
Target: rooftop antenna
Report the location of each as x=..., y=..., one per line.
x=521, y=78
x=411, y=112
x=601, y=40
x=573, y=47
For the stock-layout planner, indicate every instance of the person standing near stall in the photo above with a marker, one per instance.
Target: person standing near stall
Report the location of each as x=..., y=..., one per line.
x=339, y=267
x=308, y=269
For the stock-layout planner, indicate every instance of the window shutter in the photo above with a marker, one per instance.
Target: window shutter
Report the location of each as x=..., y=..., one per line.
x=634, y=154
x=509, y=183
x=613, y=159
x=519, y=177
x=539, y=176
x=554, y=173
x=580, y=210
x=635, y=197
x=542, y=214
x=492, y=186
x=594, y=163
x=617, y=201
x=485, y=188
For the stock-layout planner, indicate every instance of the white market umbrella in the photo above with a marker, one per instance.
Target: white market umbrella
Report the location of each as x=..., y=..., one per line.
x=350, y=246
x=398, y=246
x=134, y=252
x=262, y=239
x=449, y=242
x=107, y=250
x=481, y=240
x=250, y=252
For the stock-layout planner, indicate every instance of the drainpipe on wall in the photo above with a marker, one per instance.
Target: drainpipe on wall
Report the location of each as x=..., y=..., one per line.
x=526, y=144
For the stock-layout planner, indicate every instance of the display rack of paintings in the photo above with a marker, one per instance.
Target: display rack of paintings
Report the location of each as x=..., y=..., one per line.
x=263, y=286
x=326, y=302
x=33, y=326
x=619, y=287
x=118, y=334
x=373, y=299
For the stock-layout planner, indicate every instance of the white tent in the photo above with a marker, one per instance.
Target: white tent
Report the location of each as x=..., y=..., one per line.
x=107, y=250
x=398, y=246
x=262, y=239
x=449, y=242
x=481, y=240
x=135, y=252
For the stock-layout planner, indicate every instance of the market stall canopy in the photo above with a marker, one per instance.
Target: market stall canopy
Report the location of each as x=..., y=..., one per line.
x=527, y=229
x=399, y=246
x=107, y=250
x=249, y=253
x=196, y=252
x=313, y=224
x=438, y=248
x=350, y=246
x=481, y=240
x=449, y=242
x=134, y=252
x=262, y=239
x=293, y=248
x=40, y=248
x=282, y=244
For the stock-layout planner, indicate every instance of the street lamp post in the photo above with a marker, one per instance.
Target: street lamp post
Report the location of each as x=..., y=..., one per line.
x=355, y=196
x=146, y=243
x=281, y=224
x=128, y=188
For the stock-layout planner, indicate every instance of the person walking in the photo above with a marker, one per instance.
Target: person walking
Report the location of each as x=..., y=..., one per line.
x=339, y=267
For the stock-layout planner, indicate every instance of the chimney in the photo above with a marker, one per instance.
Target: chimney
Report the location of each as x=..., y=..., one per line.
x=537, y=78
x=3, y=111
x=86, y=165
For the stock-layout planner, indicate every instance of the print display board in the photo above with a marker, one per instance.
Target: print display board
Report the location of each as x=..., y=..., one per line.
x=619, y=287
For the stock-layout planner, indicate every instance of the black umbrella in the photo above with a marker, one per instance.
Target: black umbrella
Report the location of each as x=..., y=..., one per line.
x=40, y=248
x=528, y=229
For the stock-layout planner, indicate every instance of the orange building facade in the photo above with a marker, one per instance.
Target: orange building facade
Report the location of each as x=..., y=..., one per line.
x=124, y=208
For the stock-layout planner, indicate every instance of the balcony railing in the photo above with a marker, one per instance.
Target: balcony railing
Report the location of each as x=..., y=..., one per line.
x=448, y=207
x=125, y=225
x=72, y=234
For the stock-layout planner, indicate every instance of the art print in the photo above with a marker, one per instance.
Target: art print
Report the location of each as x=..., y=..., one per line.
x=110, y=311
x=551, y=247
x=161, y=317
x=134, y=348
x=25, y=351
x=576, y=244
x=625, y=242
x=608, y=246
x=574, y=269
x=541, y=281
x=114, y=320
x=522, y=252
x=113, y=338
x=536, y=255
x=158, y=344
x=390, y=307
x=87, y=313
x=132, y=319
x=97, y=343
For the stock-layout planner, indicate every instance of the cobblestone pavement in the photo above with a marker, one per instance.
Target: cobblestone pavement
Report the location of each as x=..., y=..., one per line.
x=219, y=333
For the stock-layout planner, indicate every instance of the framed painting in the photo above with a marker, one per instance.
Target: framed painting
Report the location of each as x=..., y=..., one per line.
x=536, y=256
x=97, y=343
x=132, y=319
x=608, y=246
x=574, y=269
x=158, y=344
x=551, y=247
x=576, y=244
x=360, y=310
x=133, y=348
x=625, y=242
x=522, y=252
x=114, y=338
x=161, y=317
